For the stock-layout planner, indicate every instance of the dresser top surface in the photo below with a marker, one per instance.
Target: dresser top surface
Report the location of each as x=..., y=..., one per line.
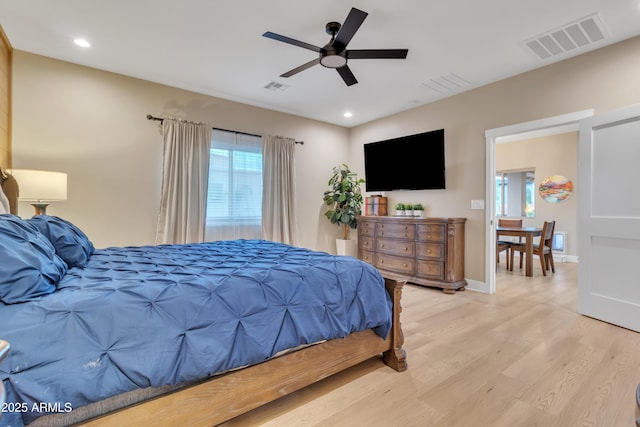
x=396, y=218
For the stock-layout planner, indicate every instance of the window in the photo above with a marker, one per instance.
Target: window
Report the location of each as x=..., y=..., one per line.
x=515, y=193
x=234, y=199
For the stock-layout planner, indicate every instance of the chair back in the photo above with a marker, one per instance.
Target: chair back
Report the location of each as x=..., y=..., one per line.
x=547, y=234
x=510, y=223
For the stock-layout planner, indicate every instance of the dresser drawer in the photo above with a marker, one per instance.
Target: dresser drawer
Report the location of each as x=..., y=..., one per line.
x=395, y=263
x=430, y=270
x=431, y=232
x=396, y=247
x=431, y=251
x=366, y=256
x=398, y=231
x=366, y=228
x=366, y=243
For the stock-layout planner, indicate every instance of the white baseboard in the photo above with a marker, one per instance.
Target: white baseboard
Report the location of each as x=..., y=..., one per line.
x=475, y=285
x=565, y=258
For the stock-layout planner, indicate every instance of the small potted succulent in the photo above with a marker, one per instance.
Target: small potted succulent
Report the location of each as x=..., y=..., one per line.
x=418, y=210
x=400, y=209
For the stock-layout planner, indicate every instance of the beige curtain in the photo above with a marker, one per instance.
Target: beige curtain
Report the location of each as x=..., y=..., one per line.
x=279, y=219
x=185, y=171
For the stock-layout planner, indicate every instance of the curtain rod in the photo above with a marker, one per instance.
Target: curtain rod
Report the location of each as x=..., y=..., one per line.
x=160, y=119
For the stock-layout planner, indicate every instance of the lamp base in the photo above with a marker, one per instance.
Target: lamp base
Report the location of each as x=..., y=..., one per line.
x=41, y=208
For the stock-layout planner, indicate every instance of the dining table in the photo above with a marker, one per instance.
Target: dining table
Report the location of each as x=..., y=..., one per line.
x=528, y=233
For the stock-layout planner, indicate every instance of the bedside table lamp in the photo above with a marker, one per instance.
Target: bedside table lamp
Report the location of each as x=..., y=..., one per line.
x=40, y=187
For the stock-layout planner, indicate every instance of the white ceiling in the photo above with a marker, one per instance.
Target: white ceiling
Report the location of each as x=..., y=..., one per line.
x=216, y=47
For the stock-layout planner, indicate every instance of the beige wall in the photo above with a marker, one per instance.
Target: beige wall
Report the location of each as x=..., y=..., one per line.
x=604, y=80
x=549, y=155
x=92, y=125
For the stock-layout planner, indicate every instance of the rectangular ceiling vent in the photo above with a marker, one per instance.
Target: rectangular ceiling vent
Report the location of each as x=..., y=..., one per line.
x=276, y=87
x=575, y=35
x=447, y=84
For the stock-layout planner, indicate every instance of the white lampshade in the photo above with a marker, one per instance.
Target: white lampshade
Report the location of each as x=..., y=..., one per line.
x=40, y=186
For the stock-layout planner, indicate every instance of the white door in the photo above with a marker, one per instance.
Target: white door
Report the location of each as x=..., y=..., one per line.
x=609, y=217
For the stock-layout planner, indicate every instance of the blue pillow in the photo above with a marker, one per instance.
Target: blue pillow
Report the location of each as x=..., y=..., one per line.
x=71, y=244
x=30, y=266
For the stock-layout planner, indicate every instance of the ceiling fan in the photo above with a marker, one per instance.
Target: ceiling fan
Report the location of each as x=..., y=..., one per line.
x=335, y=53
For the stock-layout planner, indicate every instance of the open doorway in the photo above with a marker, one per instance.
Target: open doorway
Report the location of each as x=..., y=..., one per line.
x=534, y=129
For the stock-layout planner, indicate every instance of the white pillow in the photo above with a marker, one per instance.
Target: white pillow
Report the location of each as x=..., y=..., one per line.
x=4, y=203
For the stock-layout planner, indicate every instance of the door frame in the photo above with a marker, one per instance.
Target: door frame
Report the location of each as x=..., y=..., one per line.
x=533, y=129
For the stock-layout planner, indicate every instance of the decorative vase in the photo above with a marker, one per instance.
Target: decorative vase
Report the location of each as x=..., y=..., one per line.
x=346, y=247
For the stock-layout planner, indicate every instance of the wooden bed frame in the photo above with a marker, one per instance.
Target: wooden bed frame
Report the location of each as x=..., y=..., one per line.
x=227, y=396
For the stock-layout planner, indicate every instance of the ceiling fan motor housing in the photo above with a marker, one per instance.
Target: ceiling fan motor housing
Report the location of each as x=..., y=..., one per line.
x=329, y=56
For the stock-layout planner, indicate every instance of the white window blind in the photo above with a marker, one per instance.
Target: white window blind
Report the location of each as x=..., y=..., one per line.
x=234, y=199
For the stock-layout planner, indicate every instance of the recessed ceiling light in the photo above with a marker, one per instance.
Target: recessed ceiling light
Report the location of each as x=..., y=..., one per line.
x=348, y=114
x=82, y=43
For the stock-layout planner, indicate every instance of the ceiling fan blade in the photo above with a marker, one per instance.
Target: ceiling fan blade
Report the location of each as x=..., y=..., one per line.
x=347, y=75
x=377, y=54
x=355, y=18
x=289, y=40
x=301, y=68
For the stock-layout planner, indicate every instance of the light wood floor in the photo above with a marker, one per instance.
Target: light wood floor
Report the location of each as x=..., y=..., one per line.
x=521, y=357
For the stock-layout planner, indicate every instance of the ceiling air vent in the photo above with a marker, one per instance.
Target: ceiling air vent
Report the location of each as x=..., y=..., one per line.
x=574, y=35
x=276, y=87
x=447, y=84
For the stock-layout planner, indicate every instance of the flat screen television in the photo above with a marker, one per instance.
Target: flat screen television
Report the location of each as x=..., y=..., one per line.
x=414, y=162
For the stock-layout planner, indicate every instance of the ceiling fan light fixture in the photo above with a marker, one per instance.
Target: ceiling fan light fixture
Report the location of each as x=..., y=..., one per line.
x=333, y=61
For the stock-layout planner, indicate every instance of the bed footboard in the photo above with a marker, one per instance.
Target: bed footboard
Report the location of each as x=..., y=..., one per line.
x=396, y=356
x=227, y=396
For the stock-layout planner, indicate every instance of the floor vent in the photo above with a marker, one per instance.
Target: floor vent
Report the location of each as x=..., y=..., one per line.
x=575, y=35
x=447, y=84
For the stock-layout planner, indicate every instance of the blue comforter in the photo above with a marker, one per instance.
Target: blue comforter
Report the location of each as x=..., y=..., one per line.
x=156, y=315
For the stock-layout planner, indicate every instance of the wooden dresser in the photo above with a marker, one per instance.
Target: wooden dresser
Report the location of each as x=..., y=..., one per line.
x=426, y=251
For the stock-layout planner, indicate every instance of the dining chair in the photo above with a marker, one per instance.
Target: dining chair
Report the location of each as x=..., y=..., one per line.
x=505, y=245
x=542, y=249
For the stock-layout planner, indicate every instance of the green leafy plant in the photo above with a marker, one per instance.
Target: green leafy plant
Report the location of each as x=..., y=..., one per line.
x=399, y=206
x=345, y=198
x=418, y=207
x=408, y=207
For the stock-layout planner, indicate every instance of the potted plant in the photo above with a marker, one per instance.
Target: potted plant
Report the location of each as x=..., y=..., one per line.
x=399, y=207
x=418, y=209
x=408, y=210
x=345, y=198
